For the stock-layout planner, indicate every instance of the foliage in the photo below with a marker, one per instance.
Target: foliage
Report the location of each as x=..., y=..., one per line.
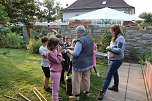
x=16, y=29
x=34, y=45
x=147, y=17
x=26, y=12
x=146, y=56
x=21, y=71
x=59, y=13
x=3, y=15
x=104, y=41
x=52, y=11
x=12, y=40
x=20, y=11
x=3, y=33
x=133, y=54
x=12, y=37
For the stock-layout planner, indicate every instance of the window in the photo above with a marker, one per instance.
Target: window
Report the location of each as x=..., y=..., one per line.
x=104, y=2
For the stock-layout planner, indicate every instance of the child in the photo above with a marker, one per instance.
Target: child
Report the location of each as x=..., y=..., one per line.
x=64, y=54
x=70, y=68
x=45, y=64
x=55, y=59
x=67, y=44
x=94, y=58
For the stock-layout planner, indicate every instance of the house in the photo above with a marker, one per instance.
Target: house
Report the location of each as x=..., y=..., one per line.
x=84, y=6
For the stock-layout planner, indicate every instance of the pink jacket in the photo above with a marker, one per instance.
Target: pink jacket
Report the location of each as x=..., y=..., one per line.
x=94, y=54
x=55, y=60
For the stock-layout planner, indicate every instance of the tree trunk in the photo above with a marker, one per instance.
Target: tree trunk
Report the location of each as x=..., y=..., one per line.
x=25, y=35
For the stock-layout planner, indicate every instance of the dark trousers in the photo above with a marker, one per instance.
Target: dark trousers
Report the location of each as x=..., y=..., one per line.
x=65, y=66
x=112, y=71
x=70, y=69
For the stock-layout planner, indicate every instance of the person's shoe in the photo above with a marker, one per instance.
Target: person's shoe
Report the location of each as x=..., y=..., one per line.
x=113, y=89
x=74, y=97
x=98, y=75
x=48, y=89
x=101, y=95
x=87, y=94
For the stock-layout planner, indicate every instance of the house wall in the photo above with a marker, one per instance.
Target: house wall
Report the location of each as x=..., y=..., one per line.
x=71, y=14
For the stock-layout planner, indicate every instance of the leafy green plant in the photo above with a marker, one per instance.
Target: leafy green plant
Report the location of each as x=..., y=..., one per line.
x=104, y=41
x=147, y=17
x=147, y=56
x=133, y=54
x=3, y=33
x=12, y=40
x=34, y=45
x=16, y=29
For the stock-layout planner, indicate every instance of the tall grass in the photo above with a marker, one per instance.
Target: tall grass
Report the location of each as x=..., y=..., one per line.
x=20, y=71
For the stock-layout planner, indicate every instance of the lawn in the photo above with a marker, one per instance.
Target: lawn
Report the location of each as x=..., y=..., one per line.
x=20, y=72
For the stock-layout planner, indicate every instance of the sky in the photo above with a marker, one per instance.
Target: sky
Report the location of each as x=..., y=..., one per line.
x=140, y=5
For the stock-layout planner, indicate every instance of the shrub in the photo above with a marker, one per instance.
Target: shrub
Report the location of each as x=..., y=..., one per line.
x=3, y=33
x=147, y=56
x=34, y=45
x=11, y=40
x=16, y=29
x=133, y=53
x=104, y=41
x=36, y=35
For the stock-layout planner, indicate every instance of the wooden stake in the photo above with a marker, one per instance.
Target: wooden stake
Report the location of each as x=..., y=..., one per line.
x=39, y=94
x=11, y=97
x=24, y=97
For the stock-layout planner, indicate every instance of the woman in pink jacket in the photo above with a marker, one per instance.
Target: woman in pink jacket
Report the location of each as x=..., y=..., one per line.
x=55, y=59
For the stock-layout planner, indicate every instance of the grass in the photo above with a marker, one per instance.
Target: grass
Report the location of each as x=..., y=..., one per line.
x=20, y=72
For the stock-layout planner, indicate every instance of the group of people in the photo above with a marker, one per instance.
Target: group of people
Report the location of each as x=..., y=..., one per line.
x=79, y=57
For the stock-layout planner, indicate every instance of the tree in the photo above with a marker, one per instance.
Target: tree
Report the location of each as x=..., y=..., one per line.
x=59, y=14
x=52, y=9
x=24, y=11
x=21, y=11
x=3, y=15
x=147, y=17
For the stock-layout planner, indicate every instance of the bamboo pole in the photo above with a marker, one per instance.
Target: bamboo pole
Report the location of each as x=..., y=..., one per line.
x=24, y=97
x=11, y=97
x=39, y=93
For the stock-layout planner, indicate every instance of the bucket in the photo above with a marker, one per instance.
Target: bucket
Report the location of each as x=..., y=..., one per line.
x=69, y=86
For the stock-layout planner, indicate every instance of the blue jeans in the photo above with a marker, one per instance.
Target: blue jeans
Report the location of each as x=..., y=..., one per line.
x=112, y=71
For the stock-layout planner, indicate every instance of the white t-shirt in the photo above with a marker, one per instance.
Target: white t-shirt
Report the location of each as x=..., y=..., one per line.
x=43, y=51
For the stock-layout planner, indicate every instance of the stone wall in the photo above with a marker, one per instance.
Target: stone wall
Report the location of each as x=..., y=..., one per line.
x=137, y=40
